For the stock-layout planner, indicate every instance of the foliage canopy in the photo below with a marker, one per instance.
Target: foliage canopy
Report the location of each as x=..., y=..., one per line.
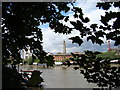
x=98, y=69
x=20, y=23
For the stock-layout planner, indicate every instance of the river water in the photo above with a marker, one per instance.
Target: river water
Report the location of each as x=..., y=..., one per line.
x=61, y=77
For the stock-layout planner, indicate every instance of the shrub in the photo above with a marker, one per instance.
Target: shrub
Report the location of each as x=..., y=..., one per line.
x=35, y=79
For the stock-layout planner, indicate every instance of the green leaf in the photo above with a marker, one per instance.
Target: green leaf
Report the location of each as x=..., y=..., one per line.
x=99, y=34
x=66, y=18
x=79, y=25
x=103, y=20
x=73, y=23
x=76, y=40
x=94, y=26
x=75, y=15
x=92, y=38
x=82, y=71
x=86, y=20
x=117, y=41
x=79, y=10
x=105, y=5
x=99, y=41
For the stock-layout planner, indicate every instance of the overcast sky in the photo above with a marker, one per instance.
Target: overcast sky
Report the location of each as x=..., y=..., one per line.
x=53, y=42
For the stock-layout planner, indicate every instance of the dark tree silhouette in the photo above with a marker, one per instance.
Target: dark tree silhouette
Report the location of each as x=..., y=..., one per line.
x=20, y=23
x=98, y=70
x=96, y=31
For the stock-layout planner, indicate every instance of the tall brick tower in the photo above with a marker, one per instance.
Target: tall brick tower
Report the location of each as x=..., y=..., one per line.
x=109, y=46
x=64, y=47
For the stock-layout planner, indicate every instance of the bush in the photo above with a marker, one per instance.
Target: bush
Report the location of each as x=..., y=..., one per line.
x=35, y=79
x=11, y=79
x=36, y=60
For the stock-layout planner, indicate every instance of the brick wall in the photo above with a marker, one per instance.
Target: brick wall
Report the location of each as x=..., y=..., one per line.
x=61, y=57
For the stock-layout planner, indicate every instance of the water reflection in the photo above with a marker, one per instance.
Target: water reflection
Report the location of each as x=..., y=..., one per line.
x=59, y=77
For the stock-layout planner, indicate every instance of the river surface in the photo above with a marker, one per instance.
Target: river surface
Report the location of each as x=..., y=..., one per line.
x=61, y=77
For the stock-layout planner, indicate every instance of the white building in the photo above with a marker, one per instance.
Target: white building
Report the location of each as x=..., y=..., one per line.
x=26, y=54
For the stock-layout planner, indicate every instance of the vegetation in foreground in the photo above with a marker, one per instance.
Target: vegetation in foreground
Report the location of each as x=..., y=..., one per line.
x=98, y=69
x=21, y=20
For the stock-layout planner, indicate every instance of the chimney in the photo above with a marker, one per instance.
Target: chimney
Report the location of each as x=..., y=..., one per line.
x=109, y=46
x=64, y=47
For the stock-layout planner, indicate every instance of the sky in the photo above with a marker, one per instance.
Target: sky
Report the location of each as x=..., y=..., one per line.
x=53, y=42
